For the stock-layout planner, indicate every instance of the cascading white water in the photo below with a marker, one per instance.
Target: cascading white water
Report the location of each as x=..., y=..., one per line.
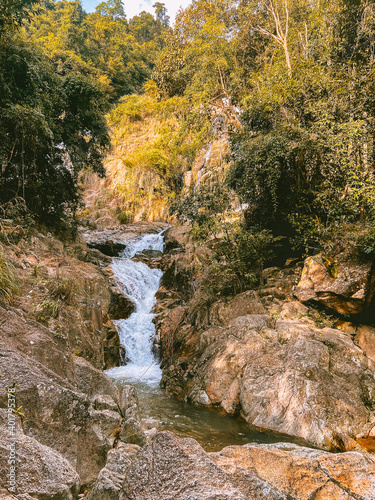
x=140, y=283
x=213, y=430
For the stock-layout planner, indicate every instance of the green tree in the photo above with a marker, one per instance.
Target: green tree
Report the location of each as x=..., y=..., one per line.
x=161, y=14
x=13, y=12
x=51, y=126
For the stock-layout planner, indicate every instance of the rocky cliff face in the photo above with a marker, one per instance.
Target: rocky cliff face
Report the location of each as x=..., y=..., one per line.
x=55, y=340
x=284, y=367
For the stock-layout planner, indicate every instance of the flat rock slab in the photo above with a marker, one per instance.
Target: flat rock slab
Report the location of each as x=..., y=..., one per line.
x=179, y=469
x=294, y=472
x=40, y=471
x=173, y=468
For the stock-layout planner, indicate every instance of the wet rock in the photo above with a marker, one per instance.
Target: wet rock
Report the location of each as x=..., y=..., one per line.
x=85, y=254
x=288, y=471
x=152, y=258
x=112, y=240
x=108, y=247
x=113, y=351
x=173, y=468
x=40, y=471
x=346, y=286
x=121, y=306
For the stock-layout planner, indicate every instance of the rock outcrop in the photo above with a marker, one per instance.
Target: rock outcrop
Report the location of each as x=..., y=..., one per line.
x=261, y=354
x=39, y=470
x=282, y=374
x=173, y=468
x=55, y=341
x=58, y=414
x=288, y=471
x=345, y=286
x=111, y=240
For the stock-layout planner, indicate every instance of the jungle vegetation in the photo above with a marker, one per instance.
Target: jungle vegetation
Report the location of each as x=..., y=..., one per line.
x=291, y=80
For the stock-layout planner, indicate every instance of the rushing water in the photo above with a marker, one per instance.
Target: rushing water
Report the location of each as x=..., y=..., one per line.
x=140, y=283
x=210, y=428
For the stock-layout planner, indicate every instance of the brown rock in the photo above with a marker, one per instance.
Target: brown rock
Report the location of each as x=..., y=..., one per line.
x=40, y=471
x=111, y=478
x=294, y=472
x=57, y=415
x=226, y=310
x=121, y=306
x=295, y=379
x=365, y=339
x=173, y=468
x=132, y=432
x=347, y=290
x=176, y=237
x=111, y=346
x=92, y=381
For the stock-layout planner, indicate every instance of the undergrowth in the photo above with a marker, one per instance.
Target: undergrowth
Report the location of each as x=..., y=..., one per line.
x=9, y=281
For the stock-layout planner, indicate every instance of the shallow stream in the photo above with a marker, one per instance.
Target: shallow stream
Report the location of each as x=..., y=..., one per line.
x=209, y=427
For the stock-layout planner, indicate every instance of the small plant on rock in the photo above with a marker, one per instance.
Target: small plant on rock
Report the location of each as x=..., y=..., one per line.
x=46, y=310
x=9, y=281
x=64, y=289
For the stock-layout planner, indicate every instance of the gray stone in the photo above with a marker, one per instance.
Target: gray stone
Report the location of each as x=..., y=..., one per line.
x=40, y=471
x=179, y=469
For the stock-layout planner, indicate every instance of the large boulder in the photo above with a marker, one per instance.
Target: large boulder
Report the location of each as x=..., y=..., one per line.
x=287, y=471
x=58, y=414
x=109, y=483
x=40, y=471
x=283, y=374
x=121, y=306
x=226, y=310
x=173, y=468
x=346, y=286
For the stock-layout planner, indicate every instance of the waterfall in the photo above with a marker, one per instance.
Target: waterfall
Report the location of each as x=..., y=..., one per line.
x=137, y=332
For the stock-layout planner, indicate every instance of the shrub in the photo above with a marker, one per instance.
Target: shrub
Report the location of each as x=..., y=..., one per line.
x=125, y=217
x=46, y=310
x=9, y=281
x=239, y=253
x=63, y=288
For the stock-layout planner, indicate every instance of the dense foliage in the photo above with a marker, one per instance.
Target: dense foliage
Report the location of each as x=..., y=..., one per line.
x=294, y=82
x=121, y=52
x=59, y=70
x=288, y=84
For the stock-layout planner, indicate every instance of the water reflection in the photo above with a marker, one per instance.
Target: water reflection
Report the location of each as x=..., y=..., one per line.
x=208, y=426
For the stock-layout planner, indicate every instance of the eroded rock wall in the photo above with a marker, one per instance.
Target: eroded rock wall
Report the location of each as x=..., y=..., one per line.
x=283, y=366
